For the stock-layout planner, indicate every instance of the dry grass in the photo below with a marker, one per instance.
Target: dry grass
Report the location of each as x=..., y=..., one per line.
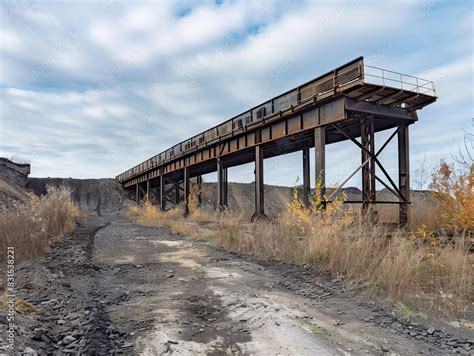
x=421, y=212
x=419, y=269
x=149, y=215
x=31, y=227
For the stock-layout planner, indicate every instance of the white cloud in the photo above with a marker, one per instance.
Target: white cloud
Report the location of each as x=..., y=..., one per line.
x=453, y=80
x=41, y=18
x=10, y=42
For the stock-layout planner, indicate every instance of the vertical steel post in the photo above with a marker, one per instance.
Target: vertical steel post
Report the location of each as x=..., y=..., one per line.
x=373, y=189
x=199, y=184
x=306, y=177
x=403, y=174
x=320, y=158
x=186, y=190
x=367, y=133
x=364, y=136
x=224, y=188
x=259, y=193
x=221, y=185
x=162, y=193
x=176, y=198
x=147, y=189
x=137, y=194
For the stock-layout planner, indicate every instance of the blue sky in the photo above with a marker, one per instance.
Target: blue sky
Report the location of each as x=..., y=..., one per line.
x=88, y=89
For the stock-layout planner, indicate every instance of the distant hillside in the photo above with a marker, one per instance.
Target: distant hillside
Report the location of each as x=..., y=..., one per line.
x=96, y=196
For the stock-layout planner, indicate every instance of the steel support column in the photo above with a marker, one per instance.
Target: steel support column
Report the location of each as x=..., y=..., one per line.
x=403, y=174
x=162, y=193
x=368, y=170
x=186, y=190
x=137, y=194
x=199, y=184
x=259, y=192
x=147, y=190
x=176, y=198
x=221, y=185
x=306, y=177
x=224, y=187
x=320, y=157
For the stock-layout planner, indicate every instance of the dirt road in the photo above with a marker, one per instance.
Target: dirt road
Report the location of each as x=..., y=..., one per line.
x=116, y=287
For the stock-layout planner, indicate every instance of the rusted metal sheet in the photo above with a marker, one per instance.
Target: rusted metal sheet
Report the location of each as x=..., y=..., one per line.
x=332, y=112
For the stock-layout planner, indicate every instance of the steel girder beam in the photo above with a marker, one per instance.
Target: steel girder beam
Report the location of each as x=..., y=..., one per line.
x=286, y=129
x=403, y=174
x=259, y=187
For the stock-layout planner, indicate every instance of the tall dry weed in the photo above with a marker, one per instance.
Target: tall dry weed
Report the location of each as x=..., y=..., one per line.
x=454, y=195
x=420, y=268
x=31, y=227
x=150, y=215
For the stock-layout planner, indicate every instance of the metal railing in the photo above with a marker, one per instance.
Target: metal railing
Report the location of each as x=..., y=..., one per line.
x=388, y=78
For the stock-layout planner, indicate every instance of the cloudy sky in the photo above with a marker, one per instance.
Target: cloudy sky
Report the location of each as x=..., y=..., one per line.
x=88, y=89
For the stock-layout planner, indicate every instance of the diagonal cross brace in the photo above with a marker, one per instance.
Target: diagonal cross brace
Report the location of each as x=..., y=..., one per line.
x=346, y=134
x=397, y=191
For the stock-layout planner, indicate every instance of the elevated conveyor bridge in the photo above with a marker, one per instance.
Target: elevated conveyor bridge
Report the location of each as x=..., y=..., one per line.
x=352, y=101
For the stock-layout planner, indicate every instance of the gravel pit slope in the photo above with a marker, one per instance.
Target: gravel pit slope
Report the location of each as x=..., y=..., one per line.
x=103, y=196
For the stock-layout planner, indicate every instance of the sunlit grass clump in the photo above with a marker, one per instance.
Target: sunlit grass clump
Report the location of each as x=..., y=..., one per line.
x=30, y=228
